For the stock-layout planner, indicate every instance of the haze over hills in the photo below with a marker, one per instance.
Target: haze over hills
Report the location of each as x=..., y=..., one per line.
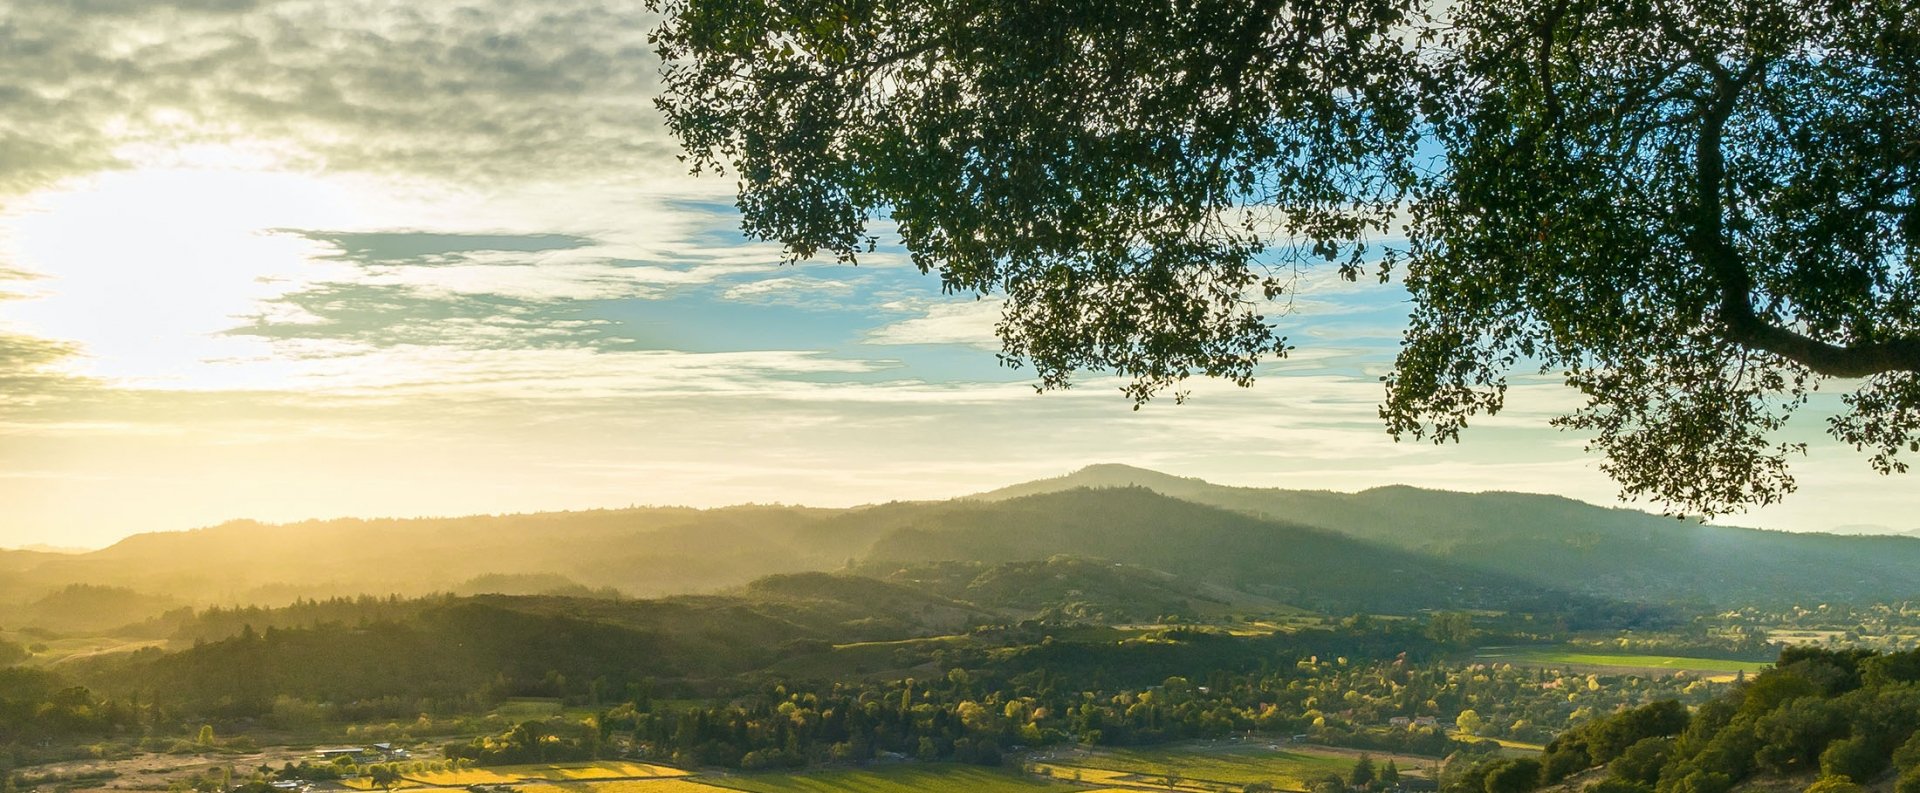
x=1556, y=541
x=1391, y=549
x=1285, y=561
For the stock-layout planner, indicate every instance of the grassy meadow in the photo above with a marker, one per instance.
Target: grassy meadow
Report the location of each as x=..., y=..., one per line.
x=916, y=778
x=1210, y=766
x=605, y=770
x=1564, y=657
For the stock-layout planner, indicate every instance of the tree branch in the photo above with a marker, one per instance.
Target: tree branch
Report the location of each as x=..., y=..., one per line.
x=1743, y=325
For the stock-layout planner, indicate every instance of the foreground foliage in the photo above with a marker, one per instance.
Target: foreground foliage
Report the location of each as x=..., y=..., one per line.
x=1850, y=717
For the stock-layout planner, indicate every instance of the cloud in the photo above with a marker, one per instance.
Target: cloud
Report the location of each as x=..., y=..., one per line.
x=962, y=322
x=34, y=371
x=488, y=88
x=796, y=291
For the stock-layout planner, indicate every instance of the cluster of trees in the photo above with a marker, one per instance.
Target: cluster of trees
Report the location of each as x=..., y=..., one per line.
x=42, y=705
x=1849, y=717
x=1885, y=626
x=1483, y=700
x=537, y=741
x=1705, y=637
x=976, y=714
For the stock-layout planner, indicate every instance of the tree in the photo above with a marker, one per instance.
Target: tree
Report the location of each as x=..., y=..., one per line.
x=1362, y=773
x=1853, y=758
x=1469, y=722
x=1694, y=212
x=1907, y=783
x=384, y=775
x=1517, y=775
x=1642, y=761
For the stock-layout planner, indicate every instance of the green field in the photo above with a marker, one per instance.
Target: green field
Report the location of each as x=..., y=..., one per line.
x=1209, y=766
x=523, y=708
x=930, y=777
x=56, y=651
x=1560, y=656
x=662, y=785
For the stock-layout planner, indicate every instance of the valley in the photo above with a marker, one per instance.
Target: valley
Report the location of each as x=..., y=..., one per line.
x=1077, y=634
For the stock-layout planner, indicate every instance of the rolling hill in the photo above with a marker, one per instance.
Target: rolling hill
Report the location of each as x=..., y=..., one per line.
x=1560, y=542
x=1285, y=562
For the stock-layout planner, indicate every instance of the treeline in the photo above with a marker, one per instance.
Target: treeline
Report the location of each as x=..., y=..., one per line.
x=217, y=622
x=1843, y=718
x=459, y=659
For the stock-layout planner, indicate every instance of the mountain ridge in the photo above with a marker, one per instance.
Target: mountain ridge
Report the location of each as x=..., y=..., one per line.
x=1558, y=541
x=1489, y=549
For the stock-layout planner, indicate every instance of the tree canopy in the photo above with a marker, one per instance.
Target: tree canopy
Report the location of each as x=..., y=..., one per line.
x=1697, y=213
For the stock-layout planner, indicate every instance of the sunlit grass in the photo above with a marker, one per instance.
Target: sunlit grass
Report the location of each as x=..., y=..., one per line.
x=659, y=785
x=513, y=774
x=1207, y=767
x=1563, y=656
x=927, y=778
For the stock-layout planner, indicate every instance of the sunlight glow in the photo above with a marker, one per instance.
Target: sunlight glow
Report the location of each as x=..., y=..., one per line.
x=147, y=268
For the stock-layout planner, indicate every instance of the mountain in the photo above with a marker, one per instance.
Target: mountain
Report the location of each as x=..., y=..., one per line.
x=1185, y=545
x=1872, y=528
x=1283, y=561
x=1560, y=542
x=1174, y=557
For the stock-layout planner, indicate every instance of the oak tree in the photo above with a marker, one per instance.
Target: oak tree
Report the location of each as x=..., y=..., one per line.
x=1694, y=212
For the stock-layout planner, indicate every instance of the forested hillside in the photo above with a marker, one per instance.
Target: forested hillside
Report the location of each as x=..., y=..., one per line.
x=1286, y=562
x=1615, y=553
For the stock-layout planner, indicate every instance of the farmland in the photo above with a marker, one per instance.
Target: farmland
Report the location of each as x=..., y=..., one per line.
x=1211, y=766
x=519, y=774
x=930, y=778
x=655, y=785
x=1575, y=659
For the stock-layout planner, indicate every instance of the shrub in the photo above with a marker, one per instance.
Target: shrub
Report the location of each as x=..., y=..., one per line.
x=1907, y=757
x=1641, y=762
x=1854, y=758
x=1909, y=783
x=1834, y=784
x=1517, y=775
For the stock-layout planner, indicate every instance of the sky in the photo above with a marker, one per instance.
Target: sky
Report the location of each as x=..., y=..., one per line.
x=285, y=260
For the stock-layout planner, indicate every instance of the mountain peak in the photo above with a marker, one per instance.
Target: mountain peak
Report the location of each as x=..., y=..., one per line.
x=1099, y=475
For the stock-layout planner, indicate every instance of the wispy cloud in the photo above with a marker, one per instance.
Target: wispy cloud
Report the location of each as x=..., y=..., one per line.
x=963, y=322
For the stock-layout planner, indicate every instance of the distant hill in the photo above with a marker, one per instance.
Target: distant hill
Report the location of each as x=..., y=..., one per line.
x=647, y=551
x=1554, y=541
x=88, y=608
x=1284, y=561
x=1397, y=549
